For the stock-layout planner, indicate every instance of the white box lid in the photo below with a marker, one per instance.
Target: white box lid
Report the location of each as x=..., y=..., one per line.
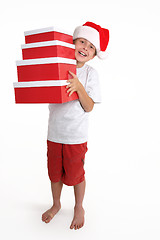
x=45, y=61
x=47, y=43
x=47, y=83
x=48, y=29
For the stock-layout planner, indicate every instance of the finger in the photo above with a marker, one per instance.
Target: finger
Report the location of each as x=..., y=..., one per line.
x=71, y=93
x=73, y=75
x=68, y=86
x=69, y=90
x=70, y=80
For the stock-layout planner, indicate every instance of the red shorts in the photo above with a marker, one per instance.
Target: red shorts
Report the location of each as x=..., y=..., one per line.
x=66, y=162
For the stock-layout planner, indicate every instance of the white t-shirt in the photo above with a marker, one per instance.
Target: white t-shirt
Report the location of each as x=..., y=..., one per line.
x=68, y=122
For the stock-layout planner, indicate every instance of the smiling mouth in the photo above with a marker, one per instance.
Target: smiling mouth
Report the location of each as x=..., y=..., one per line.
x=82, y=54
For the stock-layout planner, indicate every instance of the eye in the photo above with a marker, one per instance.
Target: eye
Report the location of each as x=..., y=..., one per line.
x=82, y=41
x=92, y=47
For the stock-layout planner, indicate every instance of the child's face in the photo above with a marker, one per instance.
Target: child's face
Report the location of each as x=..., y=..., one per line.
x=84, y=51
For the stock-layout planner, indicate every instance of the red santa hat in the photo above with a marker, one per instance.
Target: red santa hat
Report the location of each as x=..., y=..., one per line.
x=98, y=36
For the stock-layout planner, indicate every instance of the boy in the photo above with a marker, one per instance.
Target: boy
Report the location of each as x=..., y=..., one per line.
x=68, y=123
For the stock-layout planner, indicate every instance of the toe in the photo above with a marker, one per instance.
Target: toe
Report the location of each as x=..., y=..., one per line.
x=72, y=226
x=43, y=218
x=48, y=219
x=76, y=227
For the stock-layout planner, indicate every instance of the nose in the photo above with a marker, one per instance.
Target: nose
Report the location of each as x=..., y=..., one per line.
x=85, y=47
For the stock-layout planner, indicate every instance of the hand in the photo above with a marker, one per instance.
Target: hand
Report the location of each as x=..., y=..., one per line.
x=74, y=85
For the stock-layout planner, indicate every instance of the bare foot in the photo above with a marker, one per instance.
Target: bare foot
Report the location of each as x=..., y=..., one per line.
x=78, y=219
x=48, y=215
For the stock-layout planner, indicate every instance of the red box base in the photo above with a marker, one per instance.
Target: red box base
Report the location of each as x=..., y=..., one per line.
x=50, y=51
x=48, y=36
x=44, y=71
x=52, y=94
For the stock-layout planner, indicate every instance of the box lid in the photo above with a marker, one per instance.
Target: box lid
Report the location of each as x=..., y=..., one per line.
x=48, y=29
x=49, y=83
x=47, y=43
x=45, y=61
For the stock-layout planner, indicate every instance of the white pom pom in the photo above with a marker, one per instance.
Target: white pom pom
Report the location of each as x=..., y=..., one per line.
x=102, y=55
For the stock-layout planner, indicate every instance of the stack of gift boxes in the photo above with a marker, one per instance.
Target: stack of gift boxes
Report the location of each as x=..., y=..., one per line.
x=48, y=56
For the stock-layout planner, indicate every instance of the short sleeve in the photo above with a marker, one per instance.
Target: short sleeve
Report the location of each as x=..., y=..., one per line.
x=93, y=86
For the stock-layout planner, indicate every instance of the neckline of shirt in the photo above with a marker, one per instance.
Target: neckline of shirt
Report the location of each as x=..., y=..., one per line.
x=78, y=69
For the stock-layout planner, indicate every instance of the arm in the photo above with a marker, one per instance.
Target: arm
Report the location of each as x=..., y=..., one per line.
x=76, y=86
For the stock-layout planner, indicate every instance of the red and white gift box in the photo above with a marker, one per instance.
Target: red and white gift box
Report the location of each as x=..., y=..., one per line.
x=49, y=55
x=43, y=92
x=48, y=49
x=45, y=69
x=48, y=34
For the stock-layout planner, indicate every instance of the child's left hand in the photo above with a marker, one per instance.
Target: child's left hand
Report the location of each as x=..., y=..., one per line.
x=74, y=85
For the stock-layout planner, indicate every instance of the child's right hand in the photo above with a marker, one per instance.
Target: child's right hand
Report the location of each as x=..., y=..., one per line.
x=74, y=85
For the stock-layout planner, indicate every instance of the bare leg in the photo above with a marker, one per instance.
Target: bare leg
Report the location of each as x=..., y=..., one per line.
x=56, y=193
x=78, y=219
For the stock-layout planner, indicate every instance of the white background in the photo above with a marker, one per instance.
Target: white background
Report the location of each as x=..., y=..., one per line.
x=122, y=198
